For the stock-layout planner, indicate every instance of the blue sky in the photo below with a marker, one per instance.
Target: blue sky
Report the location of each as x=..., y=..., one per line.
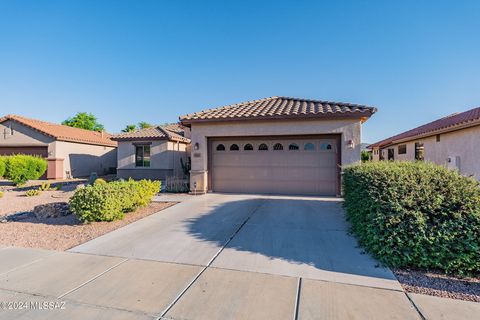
x=130, y=61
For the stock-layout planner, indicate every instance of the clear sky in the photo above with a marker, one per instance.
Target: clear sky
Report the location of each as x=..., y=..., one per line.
x=130, y=61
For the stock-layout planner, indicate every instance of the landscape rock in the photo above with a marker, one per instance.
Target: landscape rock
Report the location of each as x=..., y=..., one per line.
x=51, y=210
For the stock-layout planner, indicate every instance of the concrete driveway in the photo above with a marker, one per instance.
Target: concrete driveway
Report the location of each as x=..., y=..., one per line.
x=291, y=236
x=217, y=257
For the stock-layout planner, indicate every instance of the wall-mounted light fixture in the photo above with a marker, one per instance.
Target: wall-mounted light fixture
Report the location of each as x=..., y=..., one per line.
x=196, y=146
x=350, y=144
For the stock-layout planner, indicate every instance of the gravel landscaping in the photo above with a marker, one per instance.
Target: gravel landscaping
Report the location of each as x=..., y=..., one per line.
x=440, y=285
x=20, y=226
x=64, y=232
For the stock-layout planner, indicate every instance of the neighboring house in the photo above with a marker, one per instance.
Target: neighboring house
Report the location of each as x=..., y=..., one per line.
x=71, y=152
x=451, y=141
x=277, y=145
x=152, y=153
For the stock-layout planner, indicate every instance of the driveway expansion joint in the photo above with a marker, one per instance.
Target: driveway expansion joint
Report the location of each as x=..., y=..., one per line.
x=92, y=279
x=415, y=306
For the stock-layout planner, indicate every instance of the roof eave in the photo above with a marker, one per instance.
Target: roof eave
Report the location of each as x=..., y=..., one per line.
x=363, y=116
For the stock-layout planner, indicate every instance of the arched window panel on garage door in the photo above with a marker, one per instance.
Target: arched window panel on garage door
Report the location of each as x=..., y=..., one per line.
x=263, y=147
x=277, y=146
x=234, y=147
x=248, y=147
x=220, y=147
x=309, y=146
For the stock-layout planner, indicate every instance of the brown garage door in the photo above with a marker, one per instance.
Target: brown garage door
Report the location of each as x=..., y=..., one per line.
x=275, y=165
x=36, y=151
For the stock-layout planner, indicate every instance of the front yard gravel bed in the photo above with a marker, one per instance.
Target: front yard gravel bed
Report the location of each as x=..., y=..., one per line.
x=438, y=284
x=65, y=232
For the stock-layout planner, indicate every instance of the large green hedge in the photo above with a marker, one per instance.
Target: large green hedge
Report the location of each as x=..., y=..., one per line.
x=20, y=168
x=110, y=201
x=415, y=214
x=2, y=166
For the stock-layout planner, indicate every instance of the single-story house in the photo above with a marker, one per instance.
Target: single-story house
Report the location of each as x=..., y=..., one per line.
x=451, y=141
x=152, y=153
x=71, y=152
x=276, y=145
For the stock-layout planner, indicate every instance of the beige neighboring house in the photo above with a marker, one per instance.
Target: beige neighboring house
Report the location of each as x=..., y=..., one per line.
x=277, y=145
x=452, y=141
x=71, y=152
x=152, y=153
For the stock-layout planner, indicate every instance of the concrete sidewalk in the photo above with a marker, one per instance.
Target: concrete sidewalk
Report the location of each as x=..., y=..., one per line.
x=82, y=286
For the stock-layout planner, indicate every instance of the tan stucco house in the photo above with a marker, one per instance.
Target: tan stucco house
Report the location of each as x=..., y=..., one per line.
x=451, y=141
x=71, y=152
x=152, y=153
x=277, y=145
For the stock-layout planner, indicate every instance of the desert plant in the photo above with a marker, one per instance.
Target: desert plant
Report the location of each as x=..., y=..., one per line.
x=186, y=166
x=415, y=214
x=33, y=192
x=110, y=201
x=21, y=168
x=1, y=194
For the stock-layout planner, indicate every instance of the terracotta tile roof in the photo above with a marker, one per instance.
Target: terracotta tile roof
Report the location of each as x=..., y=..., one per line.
x=173, y=132
x=280, y=108
x=64, y=133
x=448, y=123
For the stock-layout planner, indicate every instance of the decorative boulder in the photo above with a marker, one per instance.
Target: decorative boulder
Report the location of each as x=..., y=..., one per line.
x=51, y=210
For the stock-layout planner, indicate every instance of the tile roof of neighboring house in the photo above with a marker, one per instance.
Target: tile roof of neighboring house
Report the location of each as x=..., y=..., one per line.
x=280, y=108
x=62, y=132
x=448, y=123
x=173, y=132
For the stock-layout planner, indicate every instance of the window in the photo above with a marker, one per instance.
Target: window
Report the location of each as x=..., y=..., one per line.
x=142, y=156
x=220, y=147
x=438, y=138
x=402, y=149
x=277, y=146
x=326, y=146
x=293, y=146
x=391, y=154
x=419, y=151
x=234, y=147
x=248, y=147
x=263, y=147
x=309, y=147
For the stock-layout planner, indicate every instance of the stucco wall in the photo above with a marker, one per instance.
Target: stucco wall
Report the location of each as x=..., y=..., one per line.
x=349, y=129
x=164, y=159
x=462, y=144
x=22, y=136
x=83, y=159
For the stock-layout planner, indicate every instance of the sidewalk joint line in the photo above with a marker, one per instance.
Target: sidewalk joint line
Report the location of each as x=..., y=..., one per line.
x=415, y=306
x=297, y=299
x=95, y=277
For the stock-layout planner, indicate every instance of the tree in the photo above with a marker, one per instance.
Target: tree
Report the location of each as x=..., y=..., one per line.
x=84, y=120
x=366, y=155
x=144, y=125
x=130, y=128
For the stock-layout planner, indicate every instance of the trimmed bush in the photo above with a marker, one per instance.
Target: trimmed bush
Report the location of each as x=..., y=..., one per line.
x=2, y=166
x=415, y=214
x=21, y=168
x=110, y=201
x=99, y=181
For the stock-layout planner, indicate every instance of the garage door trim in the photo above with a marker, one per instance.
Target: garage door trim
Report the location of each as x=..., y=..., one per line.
x=337, y=138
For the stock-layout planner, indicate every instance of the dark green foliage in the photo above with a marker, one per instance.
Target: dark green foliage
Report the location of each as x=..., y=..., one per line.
x=415, y=214
x=365, y=155
x=21, y=168
x=110, y=201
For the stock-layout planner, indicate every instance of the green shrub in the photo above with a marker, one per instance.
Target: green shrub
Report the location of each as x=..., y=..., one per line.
x=100, y=181
x=415, y=214
x=21, y=168
x=2, y=166
x=32, y=192
x=110, y=201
